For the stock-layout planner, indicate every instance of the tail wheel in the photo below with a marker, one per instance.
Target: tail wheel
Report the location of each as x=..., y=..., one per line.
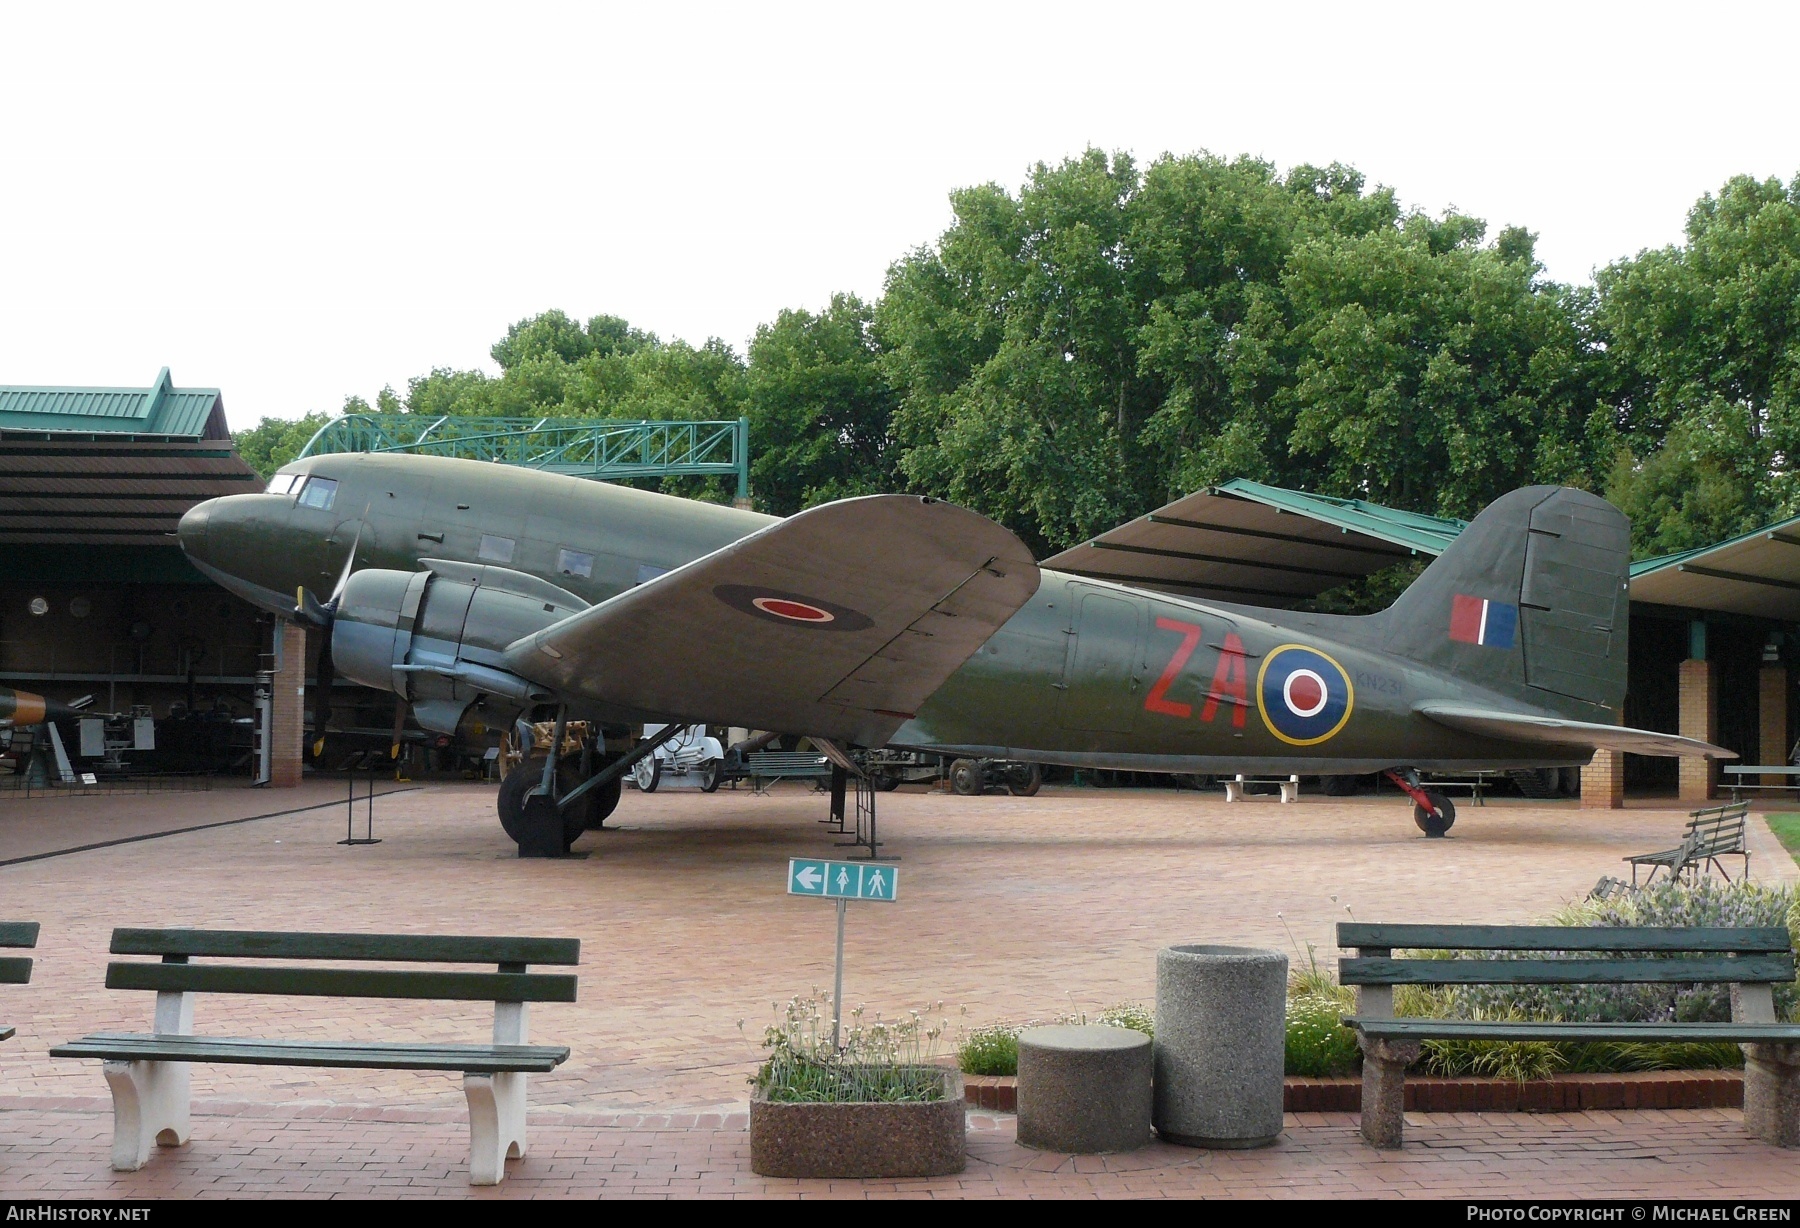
x=709, y=776
x=1024, y=779
x=1435, y=825
x=647, y=773
x=966, y=778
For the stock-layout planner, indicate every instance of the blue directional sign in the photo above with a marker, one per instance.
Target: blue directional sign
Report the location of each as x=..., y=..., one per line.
x=842, y=880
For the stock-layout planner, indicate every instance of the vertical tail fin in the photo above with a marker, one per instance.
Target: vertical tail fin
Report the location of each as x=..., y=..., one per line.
x=1530, y=601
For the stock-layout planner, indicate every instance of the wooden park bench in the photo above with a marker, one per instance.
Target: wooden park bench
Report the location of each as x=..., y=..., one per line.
x=1750, y=960
x=148, y=1072
x=765, y=767
x=1712, y=833
x=16, y=969
x=1741, y=774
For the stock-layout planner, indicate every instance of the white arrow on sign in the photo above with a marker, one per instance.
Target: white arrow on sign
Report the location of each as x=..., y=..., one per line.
x=808, y=878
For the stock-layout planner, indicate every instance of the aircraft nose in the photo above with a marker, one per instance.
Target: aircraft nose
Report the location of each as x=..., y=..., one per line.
x=230, y=533
x=191, y=532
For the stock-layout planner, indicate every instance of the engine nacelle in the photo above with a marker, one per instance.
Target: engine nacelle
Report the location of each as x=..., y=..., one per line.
x=436, y=638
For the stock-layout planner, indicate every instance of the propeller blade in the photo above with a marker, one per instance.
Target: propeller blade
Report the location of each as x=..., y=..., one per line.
x=337, y=591
x=322, y=700
x=308, y=610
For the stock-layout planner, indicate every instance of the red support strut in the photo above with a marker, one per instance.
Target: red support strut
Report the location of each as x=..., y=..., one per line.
x=1419, y=796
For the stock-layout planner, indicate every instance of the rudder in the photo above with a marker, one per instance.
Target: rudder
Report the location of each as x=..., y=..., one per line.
x=1531, y=600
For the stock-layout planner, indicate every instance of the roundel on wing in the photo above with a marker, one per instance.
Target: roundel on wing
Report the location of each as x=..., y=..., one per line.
x=791, y=609
x=1305, y=697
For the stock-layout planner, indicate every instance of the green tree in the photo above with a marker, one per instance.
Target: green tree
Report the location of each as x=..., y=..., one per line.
x=1702, y=346
x=819, y=406
x=274, y=442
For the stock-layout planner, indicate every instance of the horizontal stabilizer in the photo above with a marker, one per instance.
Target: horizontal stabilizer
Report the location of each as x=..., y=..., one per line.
x=837, y=622
x=1555, y=731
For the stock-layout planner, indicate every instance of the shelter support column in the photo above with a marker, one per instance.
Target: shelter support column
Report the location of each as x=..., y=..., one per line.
x=1603, y=781
x=1772, y=714
x=288, y=718
x=1699, y=719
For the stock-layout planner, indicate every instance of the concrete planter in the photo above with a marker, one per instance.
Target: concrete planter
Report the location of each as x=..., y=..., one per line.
x=860, y=1140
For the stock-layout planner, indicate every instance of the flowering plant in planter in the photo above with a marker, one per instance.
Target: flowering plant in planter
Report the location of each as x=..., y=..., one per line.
x=873, y=1105
x=875, y=1062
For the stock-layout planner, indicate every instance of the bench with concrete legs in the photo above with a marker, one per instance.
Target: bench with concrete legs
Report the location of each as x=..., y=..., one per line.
x=148, y=1072
x=1752, y=960
x=16, y=969
x=1290, y=786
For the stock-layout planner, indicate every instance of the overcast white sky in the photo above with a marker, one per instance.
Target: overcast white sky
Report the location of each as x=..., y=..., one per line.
x=298, y=203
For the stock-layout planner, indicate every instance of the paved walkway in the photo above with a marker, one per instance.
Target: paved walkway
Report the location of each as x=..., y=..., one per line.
x=248, y=1151
x=1009, y=908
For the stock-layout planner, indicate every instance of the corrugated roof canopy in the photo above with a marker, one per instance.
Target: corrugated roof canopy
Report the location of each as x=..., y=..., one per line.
x=111, y=466
x=1756, y=574
x=1263, y=545
x=161, y=411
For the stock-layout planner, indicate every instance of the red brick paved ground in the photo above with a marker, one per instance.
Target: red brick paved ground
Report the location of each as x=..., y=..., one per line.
x=1013, y=908
x=260, y=1150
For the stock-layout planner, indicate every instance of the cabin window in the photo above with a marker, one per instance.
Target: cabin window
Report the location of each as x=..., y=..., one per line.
x=319, y=493
x=283, y=483
x=496, y=549
x=575, y=563
x=649, y=571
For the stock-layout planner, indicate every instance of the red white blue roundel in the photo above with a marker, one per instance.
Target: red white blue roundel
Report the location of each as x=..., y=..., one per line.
x=1304, y=695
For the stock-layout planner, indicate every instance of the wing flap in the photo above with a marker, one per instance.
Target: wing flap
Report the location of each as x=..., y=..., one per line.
x=1556, y=731
x=839, y=622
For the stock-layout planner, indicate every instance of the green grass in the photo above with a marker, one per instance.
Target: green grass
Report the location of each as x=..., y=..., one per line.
x=1787, y=830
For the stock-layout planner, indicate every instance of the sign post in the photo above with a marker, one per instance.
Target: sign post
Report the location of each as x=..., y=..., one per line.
x=841, y=881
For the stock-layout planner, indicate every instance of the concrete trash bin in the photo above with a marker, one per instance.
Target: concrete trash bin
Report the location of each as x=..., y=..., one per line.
x=1084, y=1090
x=1221, y=1043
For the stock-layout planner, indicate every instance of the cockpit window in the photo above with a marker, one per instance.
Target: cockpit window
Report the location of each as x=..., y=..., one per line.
x=319, y=493
x=282, y=483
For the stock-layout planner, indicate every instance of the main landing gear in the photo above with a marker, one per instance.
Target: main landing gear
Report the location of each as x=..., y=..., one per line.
x=545, y=805
x=1432, y=811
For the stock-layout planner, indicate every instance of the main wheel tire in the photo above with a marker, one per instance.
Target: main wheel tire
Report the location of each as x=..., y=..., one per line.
x=603, y=801
x=1024, y=780
x=647, y=773
x=526, y=777
x=709, y=776
x=884, y=782
x=967, y=778
x=1435, y=825
x=1338, y=786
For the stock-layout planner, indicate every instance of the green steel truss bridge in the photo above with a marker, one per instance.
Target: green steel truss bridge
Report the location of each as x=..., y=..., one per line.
x=598, y=448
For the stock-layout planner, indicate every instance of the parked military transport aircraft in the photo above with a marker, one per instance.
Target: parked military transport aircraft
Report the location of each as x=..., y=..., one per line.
x=477, y=591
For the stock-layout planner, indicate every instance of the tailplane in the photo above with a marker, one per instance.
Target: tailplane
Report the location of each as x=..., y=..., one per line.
x=1530, y=600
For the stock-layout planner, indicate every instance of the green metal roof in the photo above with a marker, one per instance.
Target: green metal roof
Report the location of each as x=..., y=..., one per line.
x=1416, y=531
x=1755, y=573
x=1246, y=542
x=161, y=411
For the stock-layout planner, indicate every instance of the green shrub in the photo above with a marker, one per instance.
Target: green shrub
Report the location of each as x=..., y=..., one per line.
x=990, y=1051
x=994, y=1049
x=1133, y=1015
x=1317, y=1043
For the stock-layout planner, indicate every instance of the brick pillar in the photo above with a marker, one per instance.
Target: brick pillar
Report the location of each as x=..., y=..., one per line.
x=289, y=717
x=1603, y=781
x=1772, y=712
x=1699, y=719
